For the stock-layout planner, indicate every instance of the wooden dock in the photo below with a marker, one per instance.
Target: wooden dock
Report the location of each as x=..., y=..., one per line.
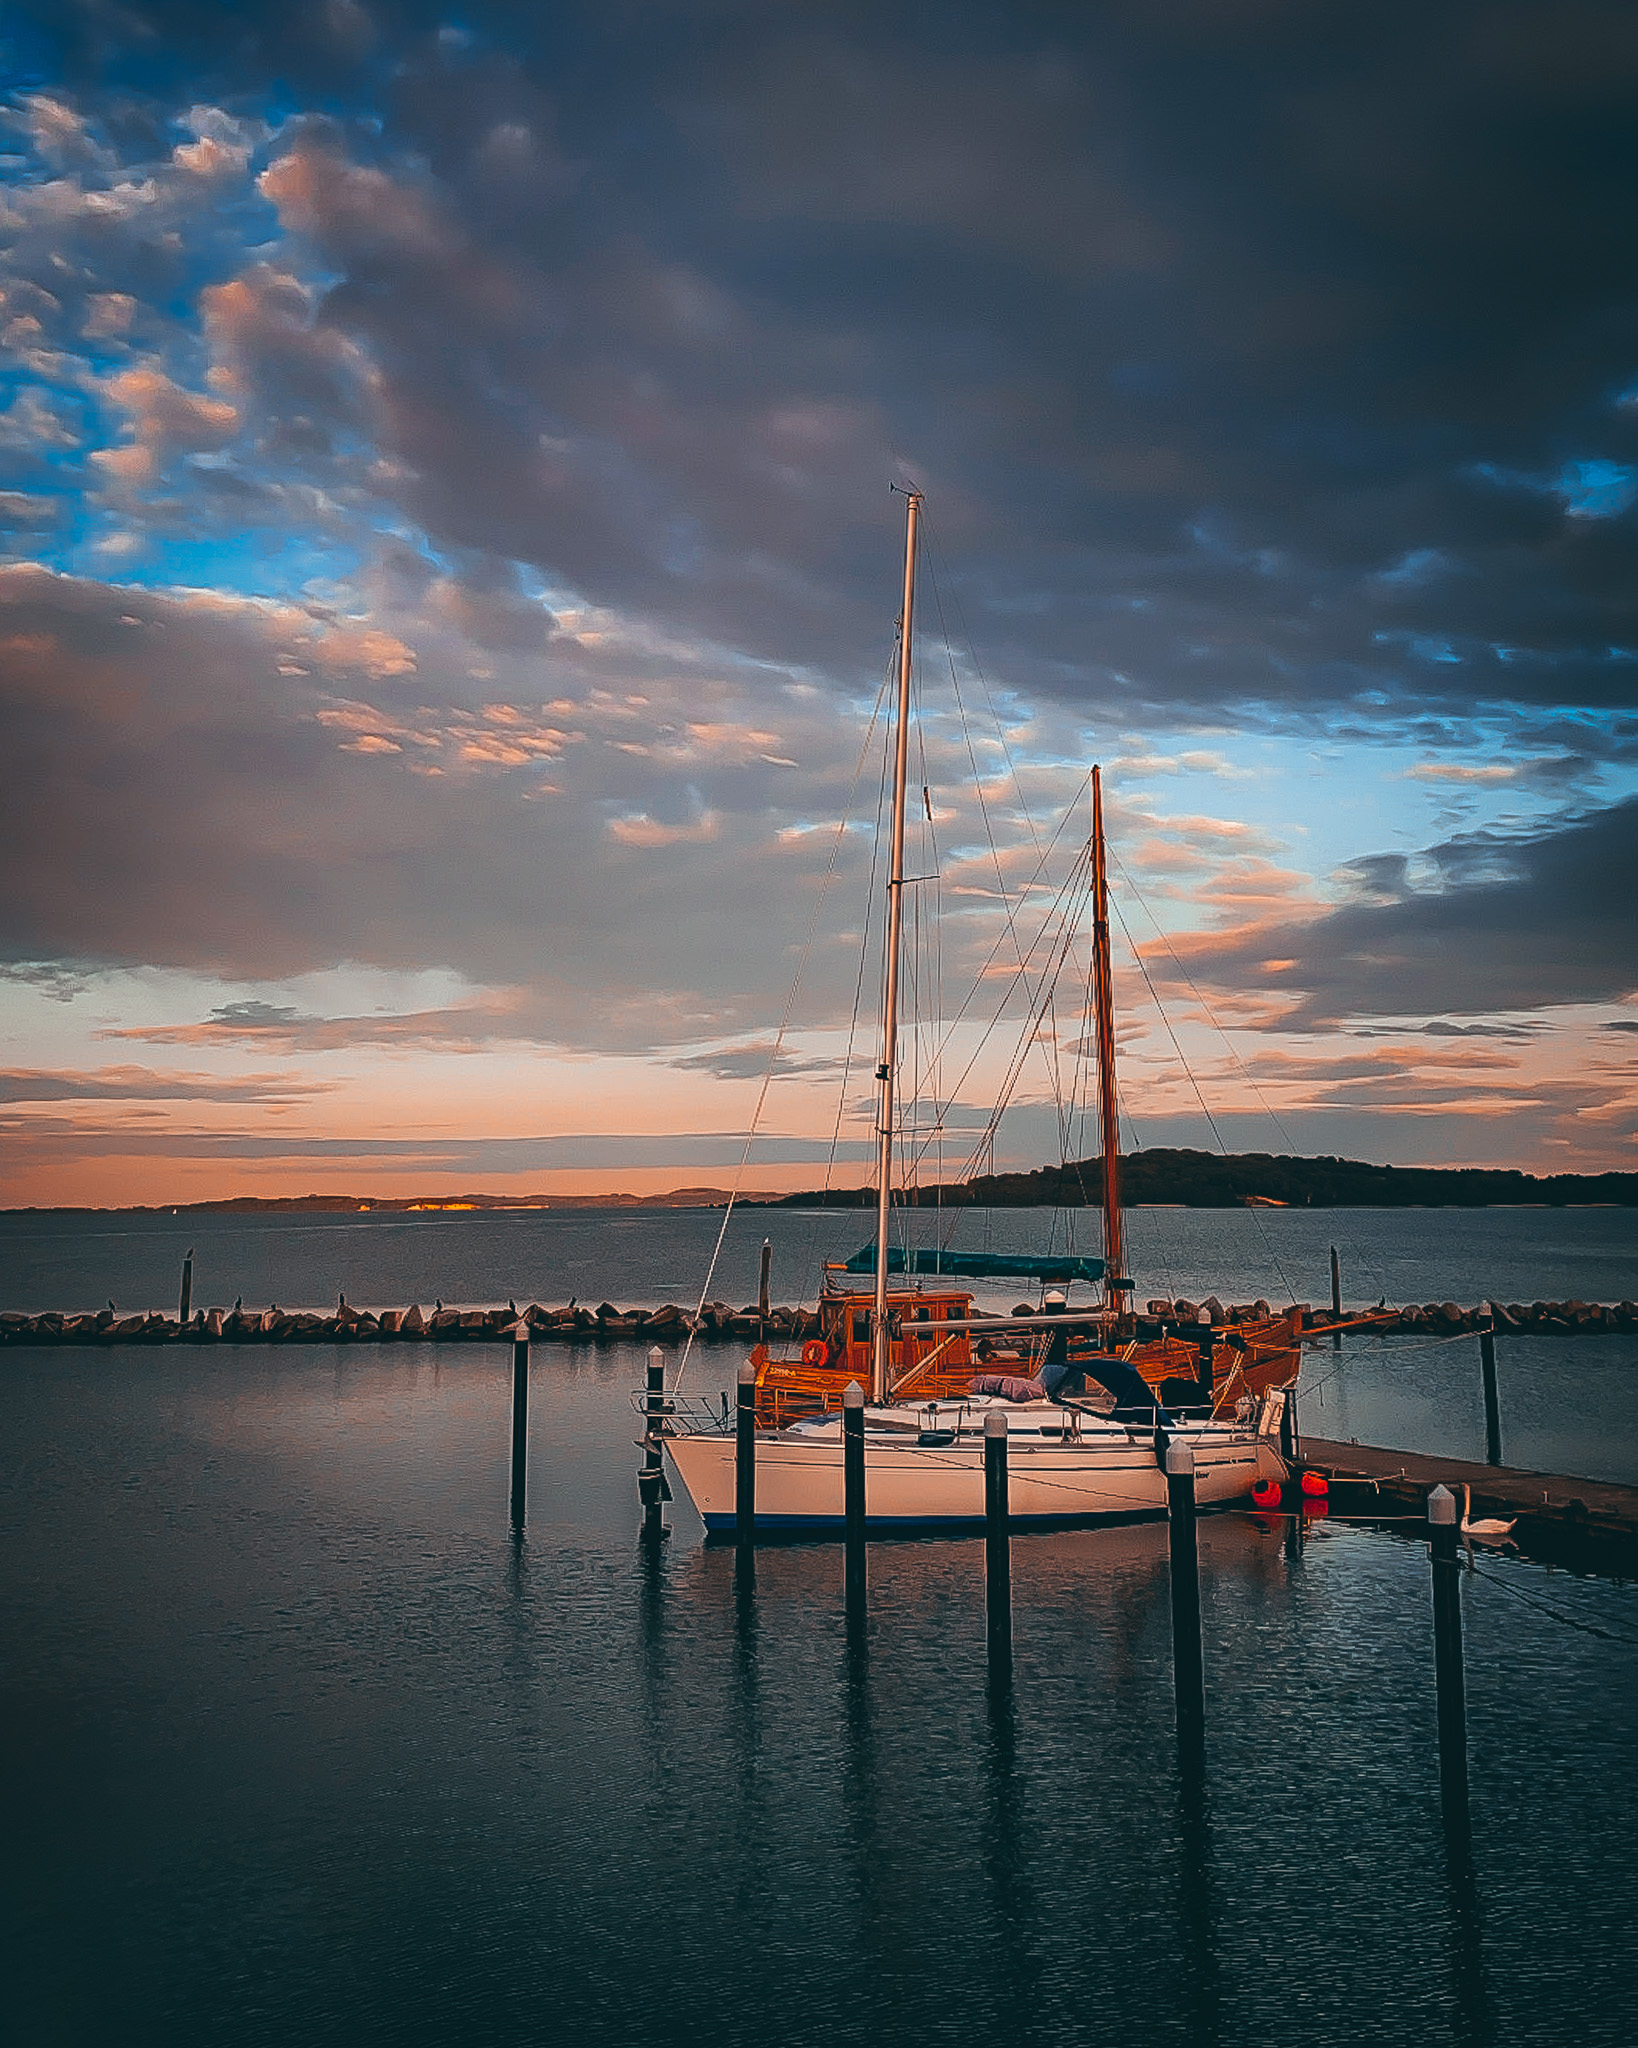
x=1575, y=1520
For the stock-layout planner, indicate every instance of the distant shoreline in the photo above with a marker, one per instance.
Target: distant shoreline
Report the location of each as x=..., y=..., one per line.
x=1158, y=1179
x=405, y=1205
x=1168, y=1178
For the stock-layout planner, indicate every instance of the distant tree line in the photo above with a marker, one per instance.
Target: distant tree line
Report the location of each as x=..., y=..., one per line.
x=1208, y=1180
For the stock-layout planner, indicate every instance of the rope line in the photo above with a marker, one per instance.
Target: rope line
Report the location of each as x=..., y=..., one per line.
x=1590, y=1628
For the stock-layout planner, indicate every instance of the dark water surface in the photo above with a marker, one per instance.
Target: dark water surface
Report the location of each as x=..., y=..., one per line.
x=296, y=1746
x=1568, y=1404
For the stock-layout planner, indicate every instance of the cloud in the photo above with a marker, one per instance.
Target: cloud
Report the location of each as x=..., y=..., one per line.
x=1486, y=922
x=144, y=1084
x=163, y=420
x=675, y=380
x=751, y=1062
x=188, y=793
x=1463, y=772
x=64, y=1142
x=483, y=436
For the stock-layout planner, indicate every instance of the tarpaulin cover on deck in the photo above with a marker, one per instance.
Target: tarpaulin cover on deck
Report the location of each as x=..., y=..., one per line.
x=978, y=1265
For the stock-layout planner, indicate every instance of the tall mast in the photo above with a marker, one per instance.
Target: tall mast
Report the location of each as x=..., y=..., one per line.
x=1114, y=1249
x=890, y=992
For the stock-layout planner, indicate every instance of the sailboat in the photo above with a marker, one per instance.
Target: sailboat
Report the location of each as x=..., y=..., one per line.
x=1076, y=1455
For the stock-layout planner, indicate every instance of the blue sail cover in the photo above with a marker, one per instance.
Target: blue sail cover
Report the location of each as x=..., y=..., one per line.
x=977, y=1265
x=1135, y=1399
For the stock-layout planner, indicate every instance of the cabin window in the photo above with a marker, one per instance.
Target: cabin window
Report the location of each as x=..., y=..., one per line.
x=861, y=1326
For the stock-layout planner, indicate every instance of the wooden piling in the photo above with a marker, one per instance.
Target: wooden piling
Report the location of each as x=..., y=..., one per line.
x=853, y=1492
x=1188, y=1666
x=520, y=1423
x=762, y=1285
x=1336, y=1299
x=1492, y=1402
x=745, y=1461
x=997, y=1540
x=1290, y=1441
x=1444, y=1536
x=651, y=1486
x=187, y=1287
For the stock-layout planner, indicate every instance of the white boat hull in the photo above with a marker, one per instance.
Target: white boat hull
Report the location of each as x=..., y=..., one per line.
x=909, y=1486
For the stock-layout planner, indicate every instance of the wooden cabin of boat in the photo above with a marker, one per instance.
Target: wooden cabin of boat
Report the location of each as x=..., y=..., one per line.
x=927, y=1358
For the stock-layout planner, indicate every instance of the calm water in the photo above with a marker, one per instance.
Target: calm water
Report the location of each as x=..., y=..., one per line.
x=295, y=1746
x=1568, y=1405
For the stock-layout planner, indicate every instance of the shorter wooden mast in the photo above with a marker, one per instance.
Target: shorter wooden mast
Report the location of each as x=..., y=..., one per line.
x=1114, y=1245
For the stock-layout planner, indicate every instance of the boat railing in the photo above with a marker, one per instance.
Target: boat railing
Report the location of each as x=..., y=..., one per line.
x=688, y=1414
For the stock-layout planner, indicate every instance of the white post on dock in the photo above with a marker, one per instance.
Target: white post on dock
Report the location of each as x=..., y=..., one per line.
x=997, y=1541
x=1444, y=1535
x=1188, y=1666
x=853, y=1495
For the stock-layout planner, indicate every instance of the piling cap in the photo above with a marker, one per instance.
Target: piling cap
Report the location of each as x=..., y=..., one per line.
x=853, y=1395
x=520, y=1330
x=995, y=1422
x=747, y=1374
x=1179, y=1457
x=1442, y=1507
x=656, y=1356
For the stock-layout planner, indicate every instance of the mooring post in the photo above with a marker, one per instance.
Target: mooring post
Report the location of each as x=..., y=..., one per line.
x=520, y=1422
x=1336, y=1299
x=187, y=1287
x=762, y=1284
x=651, y=1486
x=997, y=1538
x=853, y=1492
x=1290, y=1441
x=1492, y=1403
x=1188, y=1668
x=745, y=1460
x=1445, y=1543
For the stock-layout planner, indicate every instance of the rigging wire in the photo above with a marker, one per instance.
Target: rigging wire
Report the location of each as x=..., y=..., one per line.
x=1015, y=974
x=1272, y=1255
x=809, y=1263
x=837, y=840
x=1355, y=1250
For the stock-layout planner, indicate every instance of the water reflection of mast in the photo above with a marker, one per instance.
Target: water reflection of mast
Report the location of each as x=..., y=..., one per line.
x=1473, y=2018
x=1006, y=1867
x=874, y=1900
x=653, y=1634
x=1196, y=1907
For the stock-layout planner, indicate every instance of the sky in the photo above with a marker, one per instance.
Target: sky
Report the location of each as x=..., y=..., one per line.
x=451, y=555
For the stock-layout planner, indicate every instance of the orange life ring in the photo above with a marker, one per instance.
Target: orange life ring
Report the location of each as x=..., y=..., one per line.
x=814, y=1351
